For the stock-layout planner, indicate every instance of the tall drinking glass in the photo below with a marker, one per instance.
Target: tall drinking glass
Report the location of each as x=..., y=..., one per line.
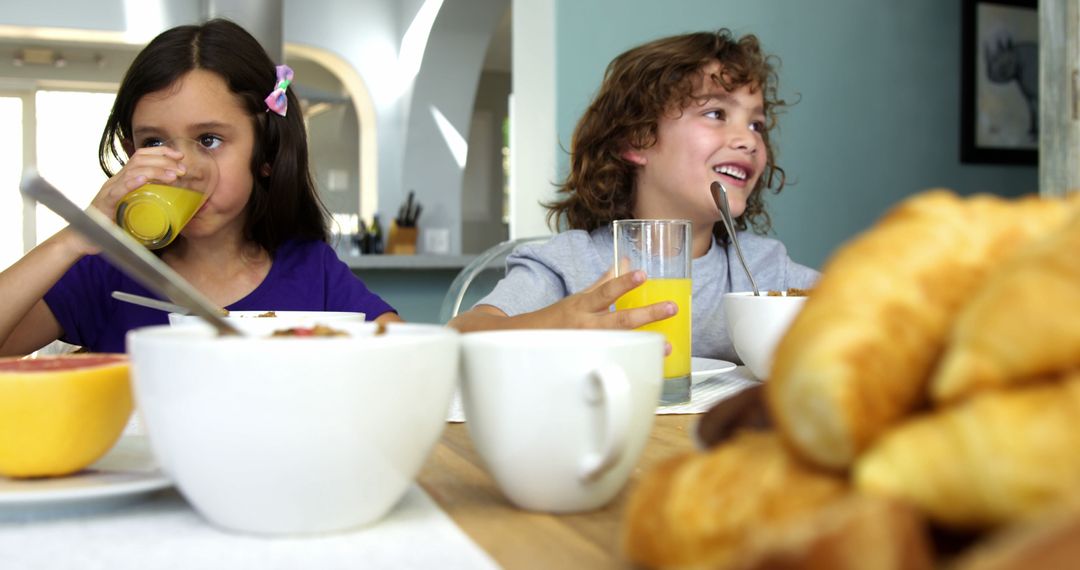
x=662, y=248
x=156, y=212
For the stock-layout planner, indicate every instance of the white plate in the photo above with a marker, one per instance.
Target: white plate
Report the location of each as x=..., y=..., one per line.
x=702, y=368
x=126, y=471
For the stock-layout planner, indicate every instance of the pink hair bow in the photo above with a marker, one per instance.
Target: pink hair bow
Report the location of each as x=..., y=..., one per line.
x=276, y=101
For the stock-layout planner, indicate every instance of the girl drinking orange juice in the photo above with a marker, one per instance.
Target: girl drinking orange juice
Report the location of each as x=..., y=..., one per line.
x=154, y=214
x=259, y=242
x=671, y=117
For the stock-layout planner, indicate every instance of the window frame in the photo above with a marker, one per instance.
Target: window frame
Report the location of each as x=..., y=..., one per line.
x=28, y=95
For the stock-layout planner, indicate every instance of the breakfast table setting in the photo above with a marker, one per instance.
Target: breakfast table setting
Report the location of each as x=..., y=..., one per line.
x=123, y=512
x=248, y=441
x=931, y=424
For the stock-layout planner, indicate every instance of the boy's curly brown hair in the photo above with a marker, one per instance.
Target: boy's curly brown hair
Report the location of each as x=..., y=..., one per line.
x=639, y=87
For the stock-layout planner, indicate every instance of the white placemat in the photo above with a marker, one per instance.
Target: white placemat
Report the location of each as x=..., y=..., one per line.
x=165, y=533
x=703, y=394
x=711, y=390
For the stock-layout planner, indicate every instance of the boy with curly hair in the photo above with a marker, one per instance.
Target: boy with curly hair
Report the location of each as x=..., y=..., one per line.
x=672, y=116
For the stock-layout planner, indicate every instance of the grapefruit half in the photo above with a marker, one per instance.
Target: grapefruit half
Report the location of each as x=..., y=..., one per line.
x=59, y=414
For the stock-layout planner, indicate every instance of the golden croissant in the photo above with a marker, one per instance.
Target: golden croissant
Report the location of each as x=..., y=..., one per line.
x=999, y=457
x=859, y=355
x=750, y=504
x=1022, y=325
x=708, y=508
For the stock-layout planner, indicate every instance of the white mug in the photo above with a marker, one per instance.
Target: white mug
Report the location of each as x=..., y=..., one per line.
x=560, y=417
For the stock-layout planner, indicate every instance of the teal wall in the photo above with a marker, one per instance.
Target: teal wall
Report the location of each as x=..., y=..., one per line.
x=418, y=294
x=878, y=90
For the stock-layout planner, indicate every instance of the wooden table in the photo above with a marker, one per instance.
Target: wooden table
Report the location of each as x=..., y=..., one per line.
x=454, y=476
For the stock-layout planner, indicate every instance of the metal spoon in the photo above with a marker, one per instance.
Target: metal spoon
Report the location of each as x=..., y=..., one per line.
x=149, y=303
x=125, y=253
x=719, y=194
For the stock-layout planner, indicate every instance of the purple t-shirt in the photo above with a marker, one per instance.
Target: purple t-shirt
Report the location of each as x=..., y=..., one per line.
x=305, y=276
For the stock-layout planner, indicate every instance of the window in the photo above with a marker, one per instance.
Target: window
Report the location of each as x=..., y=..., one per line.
x=64, y=132
x=69, y=125
x=11, y=157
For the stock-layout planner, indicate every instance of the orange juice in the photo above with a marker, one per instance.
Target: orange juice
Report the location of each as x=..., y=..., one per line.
x=676, y=329
x=155, y=213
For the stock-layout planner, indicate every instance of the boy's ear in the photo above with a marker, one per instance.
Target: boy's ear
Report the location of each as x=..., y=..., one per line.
x=634, y=156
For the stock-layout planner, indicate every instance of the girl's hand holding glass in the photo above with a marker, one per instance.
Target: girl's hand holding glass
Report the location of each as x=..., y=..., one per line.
x=156, y=212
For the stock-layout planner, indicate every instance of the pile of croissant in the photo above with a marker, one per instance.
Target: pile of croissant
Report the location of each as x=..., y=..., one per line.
x=930, y=387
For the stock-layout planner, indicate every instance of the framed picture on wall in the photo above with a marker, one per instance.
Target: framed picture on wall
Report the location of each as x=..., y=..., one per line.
x=999, y=93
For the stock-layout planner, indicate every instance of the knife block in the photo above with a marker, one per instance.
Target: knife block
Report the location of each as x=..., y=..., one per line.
x=402, y=240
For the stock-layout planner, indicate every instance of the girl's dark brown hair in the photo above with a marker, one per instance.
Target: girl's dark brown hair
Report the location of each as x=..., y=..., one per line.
x=284, y=205
x=639, y=87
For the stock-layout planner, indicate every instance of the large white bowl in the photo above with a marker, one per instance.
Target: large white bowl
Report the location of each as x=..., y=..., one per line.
x=756, y=324
x=293, y=435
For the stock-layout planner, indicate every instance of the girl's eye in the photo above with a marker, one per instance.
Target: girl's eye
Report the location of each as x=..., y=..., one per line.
x=151, y=143
x=757, y=126
x=718, y=114
x=209, y=141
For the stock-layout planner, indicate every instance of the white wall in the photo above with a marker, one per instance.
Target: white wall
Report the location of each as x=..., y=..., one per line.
x=446, y=85
x=142, y=21
x=533, y=140
x=365, y=34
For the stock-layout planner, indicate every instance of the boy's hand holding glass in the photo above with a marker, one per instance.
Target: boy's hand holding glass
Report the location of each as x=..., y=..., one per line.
x=156, y=212
x=590, y=308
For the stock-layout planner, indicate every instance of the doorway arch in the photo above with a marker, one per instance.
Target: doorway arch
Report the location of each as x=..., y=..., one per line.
x=365, y=114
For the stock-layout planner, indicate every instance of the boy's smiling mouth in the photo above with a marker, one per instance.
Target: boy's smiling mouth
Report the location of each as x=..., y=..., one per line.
x=733, y=170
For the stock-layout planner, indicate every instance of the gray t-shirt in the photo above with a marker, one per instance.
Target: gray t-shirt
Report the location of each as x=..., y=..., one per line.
x=540, y=274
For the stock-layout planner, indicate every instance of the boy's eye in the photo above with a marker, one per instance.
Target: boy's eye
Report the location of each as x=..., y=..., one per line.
x=757, y=126
x=719, y=114
x=209, y=141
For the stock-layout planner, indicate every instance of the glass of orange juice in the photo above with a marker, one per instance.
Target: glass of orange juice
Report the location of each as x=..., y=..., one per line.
x=156, y=212
x=662, y=249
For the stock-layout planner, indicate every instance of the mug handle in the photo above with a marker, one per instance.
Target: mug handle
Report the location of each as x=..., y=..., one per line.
x=611, y=388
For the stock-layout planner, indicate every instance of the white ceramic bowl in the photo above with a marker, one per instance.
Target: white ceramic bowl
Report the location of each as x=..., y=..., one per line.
x=293, y=435
x=252, y=321
x=756, y=325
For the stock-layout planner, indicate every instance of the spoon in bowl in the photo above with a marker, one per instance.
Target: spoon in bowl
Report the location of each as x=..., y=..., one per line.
x=719, y=194
x=149, y=303
x=125, y=253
